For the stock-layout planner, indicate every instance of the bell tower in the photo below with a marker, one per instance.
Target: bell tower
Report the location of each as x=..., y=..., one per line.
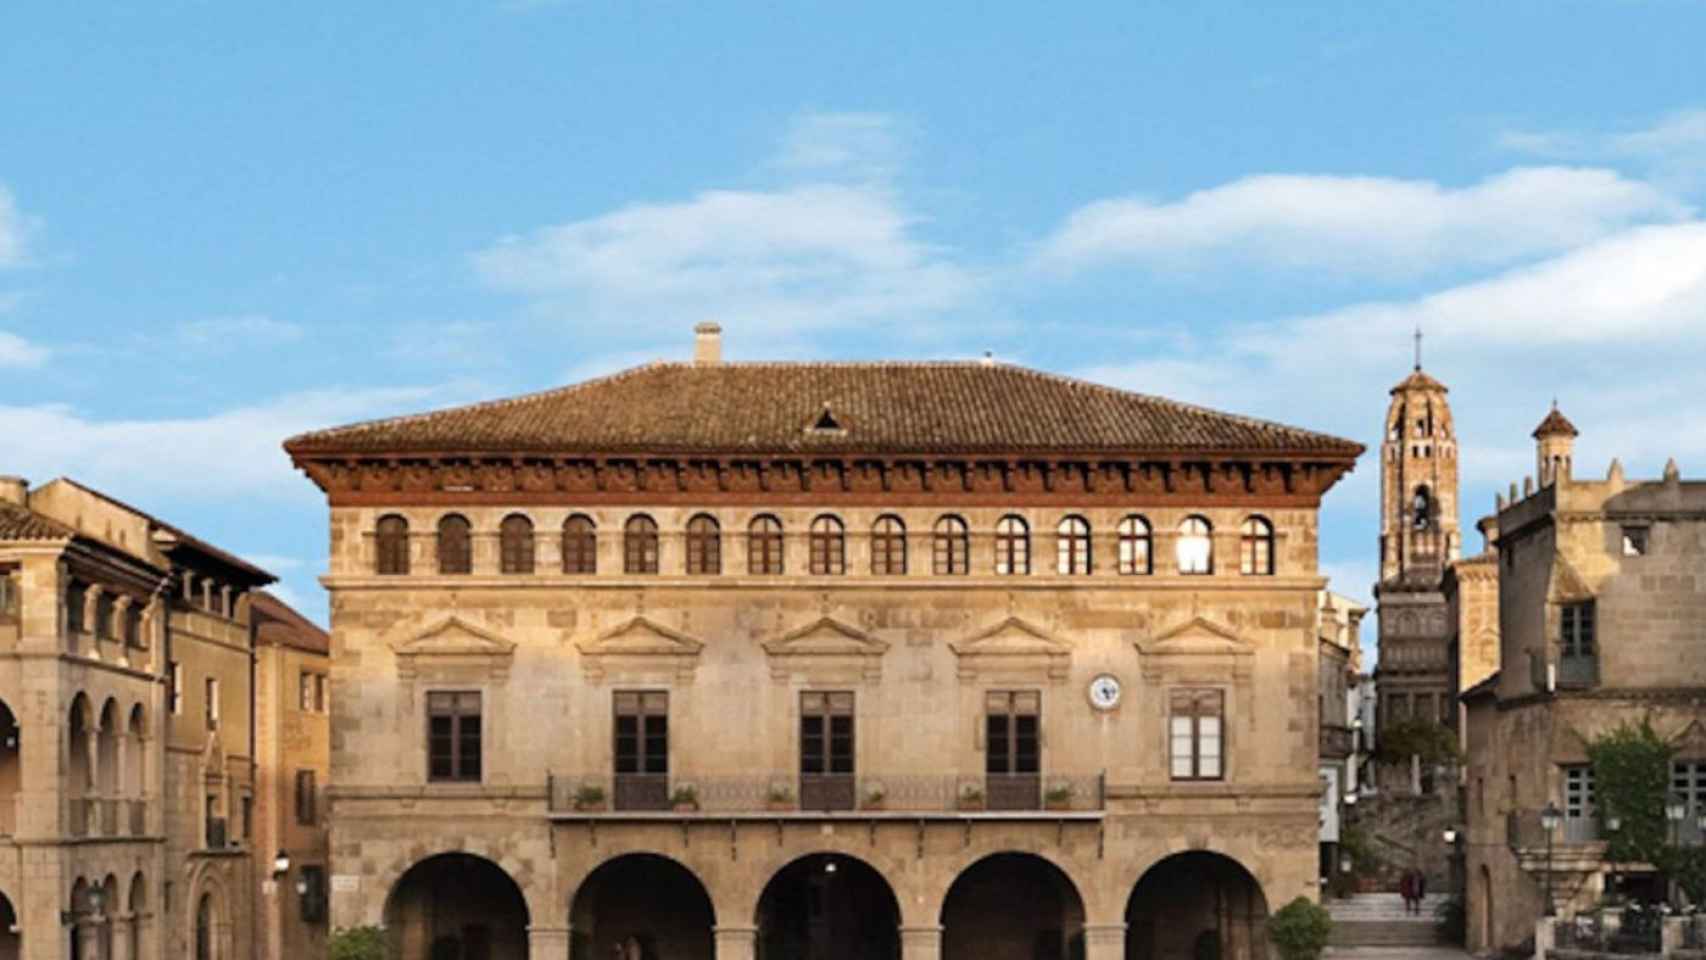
x=1419, y=531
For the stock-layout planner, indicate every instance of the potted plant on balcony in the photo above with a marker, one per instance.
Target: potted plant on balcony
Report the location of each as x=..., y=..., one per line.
x=589, y=797
x=780, y=797
x=685, y=799
x=1058, y=796
x=875, y=796
x=971, y=796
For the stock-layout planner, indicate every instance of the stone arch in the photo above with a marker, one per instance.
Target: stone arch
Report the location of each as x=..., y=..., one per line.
x=79, y=762
x=11, y=940
x=136, y=906
x=107, y=750
x=207, y=922
x=1489, y=931
x=929, y=909
x=11, y=772
x=828, y=905
x=135, y=761
x=452, y=905
x=520, y=874
x=112, y=906
x=1197, y=903
x=1012, y=905
x=645, y=900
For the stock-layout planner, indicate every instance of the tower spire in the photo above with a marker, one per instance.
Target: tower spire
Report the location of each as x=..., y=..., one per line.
x=1418, y=347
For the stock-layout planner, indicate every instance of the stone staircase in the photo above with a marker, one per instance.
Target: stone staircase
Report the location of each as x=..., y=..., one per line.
x=1379, y=920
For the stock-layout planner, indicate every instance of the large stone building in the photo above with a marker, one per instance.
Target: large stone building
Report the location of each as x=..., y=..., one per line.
x=769, y=660
x=1601, y=610
x=127, y=774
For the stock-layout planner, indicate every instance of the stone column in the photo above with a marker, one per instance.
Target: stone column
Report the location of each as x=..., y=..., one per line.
x=547, y=943
x=736, y=943
x=1104, y=941
x=121, y=936
x=920, y=943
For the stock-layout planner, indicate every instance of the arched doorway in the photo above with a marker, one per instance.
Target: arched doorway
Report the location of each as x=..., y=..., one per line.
x=828, y=907
x=1012, y=906
x=457, y=906
x=647, y=905
x=138, y=906
x=1197, y=906
x=11, y=946
x=11, y=771
x=207, y=928
x=79, y=770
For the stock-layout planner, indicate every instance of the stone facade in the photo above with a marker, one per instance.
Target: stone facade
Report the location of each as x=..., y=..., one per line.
x=1601, y=606
x=126, y=778
x=985, y=792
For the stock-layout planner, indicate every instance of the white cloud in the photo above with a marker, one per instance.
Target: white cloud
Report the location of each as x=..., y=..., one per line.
x=14, y=230
x=233, y=454
x=240, y=331
x=809, y=257
x=1672, y=149
x=17, y=352
x=1364, y=225
x=861, y=146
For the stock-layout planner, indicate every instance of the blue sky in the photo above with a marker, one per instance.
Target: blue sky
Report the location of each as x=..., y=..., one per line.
x=221, y=224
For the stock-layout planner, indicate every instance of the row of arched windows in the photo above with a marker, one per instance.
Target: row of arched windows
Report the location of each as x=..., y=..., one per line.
x=950, y=550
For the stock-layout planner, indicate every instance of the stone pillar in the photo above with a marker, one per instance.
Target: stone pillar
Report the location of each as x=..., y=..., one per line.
x=1104, y=941
x=1543, y=938
x=920, y=943
x=547, y=943
x=121, y=936
x=736, y=943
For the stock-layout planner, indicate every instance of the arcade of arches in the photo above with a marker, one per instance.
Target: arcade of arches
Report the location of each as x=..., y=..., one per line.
x=831, y=906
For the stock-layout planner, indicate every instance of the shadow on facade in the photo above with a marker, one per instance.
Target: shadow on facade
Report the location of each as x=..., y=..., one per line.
x=641, y=907
x=457, y=907
x=1197, y=906
x=828, y=907
x=10, y=947
x=1013, y=906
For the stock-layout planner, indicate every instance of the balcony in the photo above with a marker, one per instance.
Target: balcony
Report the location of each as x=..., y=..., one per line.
x=1578, y=671
x=855, y=795
x=1337, y=742
x=1524, y=831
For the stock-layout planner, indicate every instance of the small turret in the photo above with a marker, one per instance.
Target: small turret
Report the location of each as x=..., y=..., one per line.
x=1554, y=447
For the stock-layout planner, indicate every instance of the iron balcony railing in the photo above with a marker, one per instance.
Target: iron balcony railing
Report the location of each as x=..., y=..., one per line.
x=852, y=793
x=1578, y=671
x=1337, y=742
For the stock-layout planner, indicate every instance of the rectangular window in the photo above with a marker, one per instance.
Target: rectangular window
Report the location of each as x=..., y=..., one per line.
x=212, y=693
x=1634, y=541
x=826, y=751
x=1688, y=781
x=1012, y=727
x=248, y=817
x=1196, y=734
x=1578, y=792
x=306, y=793
x=1578, y=629
x=175, y=687
x=642, y=750
x=319, y=693
x=305, y=686
x=453, y=737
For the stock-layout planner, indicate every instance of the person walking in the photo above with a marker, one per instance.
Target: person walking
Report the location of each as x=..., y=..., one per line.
x=1407, y=889
x=1421, y=889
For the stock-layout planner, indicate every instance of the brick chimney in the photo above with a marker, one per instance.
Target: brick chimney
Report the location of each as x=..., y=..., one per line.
x=14, y=490
x=707, y=345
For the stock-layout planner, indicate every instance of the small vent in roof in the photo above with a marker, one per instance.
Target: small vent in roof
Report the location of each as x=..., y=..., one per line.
x=826, y=423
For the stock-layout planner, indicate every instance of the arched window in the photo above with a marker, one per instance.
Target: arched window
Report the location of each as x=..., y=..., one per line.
x=1256, y=548
x=204, y=922
x=828, y=543
x=888, y=546
x=580, y=545
x=1421, y=508
x=640, y=545
x=951, y=547
x=515, y=544
x=104, y=615
x=1136, y=557
x=764, y=545
x=1196, y=546
x=1072, y=544
x=391, y=545
x=704, y=545
x=1012, y=546
x=455, y=545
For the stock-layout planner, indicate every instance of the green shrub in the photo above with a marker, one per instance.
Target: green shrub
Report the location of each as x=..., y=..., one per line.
x=1452, y=919
x=1434, y=743
x=360, y=943
x=1300, y=930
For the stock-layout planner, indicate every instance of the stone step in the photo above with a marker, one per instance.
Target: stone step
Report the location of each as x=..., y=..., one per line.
x=1383, y=933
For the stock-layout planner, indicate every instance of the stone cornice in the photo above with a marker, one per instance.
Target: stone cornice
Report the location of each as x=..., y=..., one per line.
x=1259, y=478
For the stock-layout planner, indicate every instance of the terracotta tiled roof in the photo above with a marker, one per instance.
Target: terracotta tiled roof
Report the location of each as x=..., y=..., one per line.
x=278, y=622
x=1554, y=424
x=1420, y=381
x=184, y=537
x=20, y=523
x=871, y=408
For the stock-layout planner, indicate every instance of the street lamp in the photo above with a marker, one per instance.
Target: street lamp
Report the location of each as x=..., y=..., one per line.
x=1613, y=823
x=281, y=864
x=1549, y=818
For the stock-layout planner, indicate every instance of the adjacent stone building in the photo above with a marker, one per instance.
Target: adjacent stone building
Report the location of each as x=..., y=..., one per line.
x=1341, y=735
x=1602, y=607
x=837, y=660
x=127, y=773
